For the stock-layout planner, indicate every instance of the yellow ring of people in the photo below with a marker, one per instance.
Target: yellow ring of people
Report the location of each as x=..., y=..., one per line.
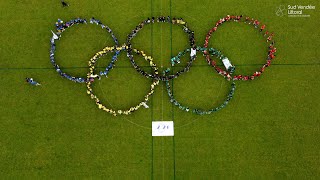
x=91, y=74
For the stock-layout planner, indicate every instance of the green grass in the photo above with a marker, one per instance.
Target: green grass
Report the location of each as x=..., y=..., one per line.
x=269, y=130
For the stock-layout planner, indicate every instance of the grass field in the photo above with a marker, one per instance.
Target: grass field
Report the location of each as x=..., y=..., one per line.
x=269, y=130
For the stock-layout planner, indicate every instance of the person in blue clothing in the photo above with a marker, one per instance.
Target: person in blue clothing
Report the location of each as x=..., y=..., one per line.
x=32, y=82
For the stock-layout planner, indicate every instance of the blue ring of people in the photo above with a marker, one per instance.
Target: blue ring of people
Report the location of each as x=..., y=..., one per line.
x=166, y=75
x=61, y=27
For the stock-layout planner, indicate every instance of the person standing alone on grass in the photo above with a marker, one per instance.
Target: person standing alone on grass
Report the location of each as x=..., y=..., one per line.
x=32, y=82
x=64, y=4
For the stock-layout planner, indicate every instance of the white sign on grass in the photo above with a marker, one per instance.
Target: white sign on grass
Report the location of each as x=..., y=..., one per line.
x=162, y=128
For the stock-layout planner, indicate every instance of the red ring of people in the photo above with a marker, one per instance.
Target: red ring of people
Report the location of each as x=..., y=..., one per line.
x=256, y=24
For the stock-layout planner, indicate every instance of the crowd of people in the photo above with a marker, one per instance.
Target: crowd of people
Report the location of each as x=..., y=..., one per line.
x=111, y=65
x=176, y=59
x=60, y=28
x=119, y=112
x=256, y=24
x=160, y=19
x=91, y=75
x=166, y=76
x=151, y=63
x=199, y=111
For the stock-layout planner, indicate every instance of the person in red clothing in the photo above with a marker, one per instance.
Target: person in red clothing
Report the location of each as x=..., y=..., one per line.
x=207, y=41
x=256, y=23
x=257, y=73
x=270, y=37
x=219, y=71
x=262, y=27
x=215, y=28
x=219, y=22
x=238, y=18
x=213, y=63
x=273, y=50
x=268, y=63
x=266, y=33
x=271, y=56
x=228, y=18
x=271, y=47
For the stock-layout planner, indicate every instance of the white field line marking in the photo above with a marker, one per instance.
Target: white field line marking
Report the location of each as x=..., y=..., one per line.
x=161, y=68
x=161, y=59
